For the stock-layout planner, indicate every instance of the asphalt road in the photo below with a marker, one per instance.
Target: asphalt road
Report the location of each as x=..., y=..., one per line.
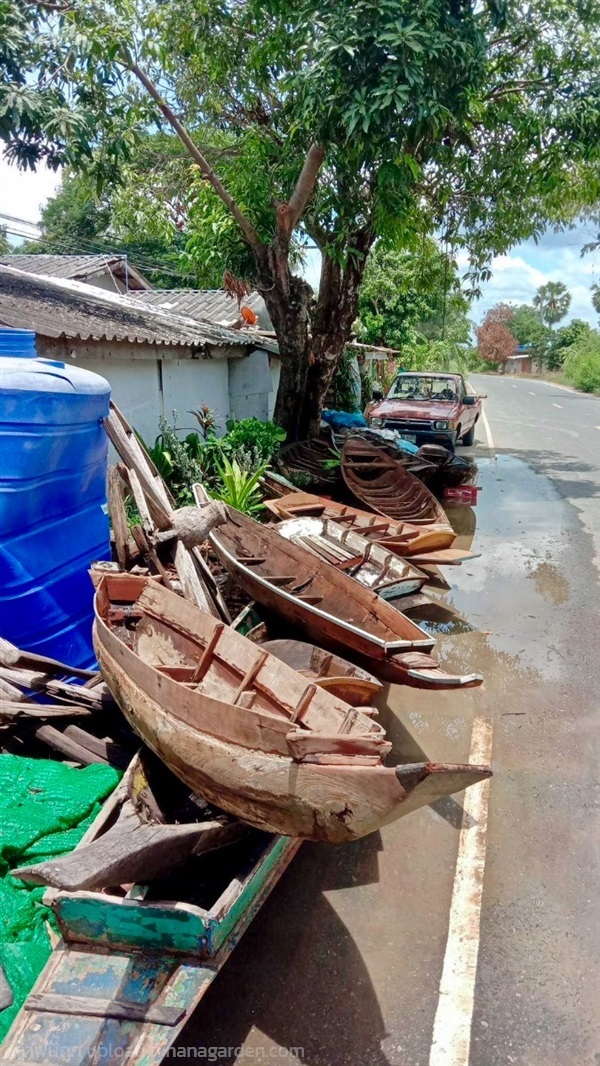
x=448, y=939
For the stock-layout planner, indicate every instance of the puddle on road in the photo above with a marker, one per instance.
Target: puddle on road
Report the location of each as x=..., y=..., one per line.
x=498, y=618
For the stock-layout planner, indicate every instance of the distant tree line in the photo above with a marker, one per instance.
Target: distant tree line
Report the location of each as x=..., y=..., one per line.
x=573, y=349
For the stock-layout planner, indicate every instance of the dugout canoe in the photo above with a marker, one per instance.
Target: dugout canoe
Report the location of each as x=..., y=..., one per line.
x=386, y=487
x=332, y=609
x=404, y=538
x=373, y=566
x=246, y=731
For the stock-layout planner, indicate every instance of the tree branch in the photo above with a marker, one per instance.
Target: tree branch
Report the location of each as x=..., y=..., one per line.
x=515, y=87
x=204, y=166
x=304, y=188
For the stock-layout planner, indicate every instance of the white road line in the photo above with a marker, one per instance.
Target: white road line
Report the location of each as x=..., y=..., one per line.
x=488, y=432
x=514, y=386
x=559, y=405
x=532, y=393
x=451, y=1042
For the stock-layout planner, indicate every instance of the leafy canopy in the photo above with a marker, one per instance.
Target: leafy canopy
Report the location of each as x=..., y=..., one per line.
x=480, y=118
x=408, y=295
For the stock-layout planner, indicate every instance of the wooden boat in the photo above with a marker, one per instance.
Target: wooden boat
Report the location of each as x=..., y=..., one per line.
x=404, y=538
x=367, y=562
x=310, y=458
x=328, y=605
x=245, y=730
x=385, y=486
x=135, y=960
x=343, y=679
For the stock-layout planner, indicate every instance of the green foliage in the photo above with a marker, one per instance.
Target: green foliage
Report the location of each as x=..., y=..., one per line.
x=79, y=220
x=249, y=446
x=4, y=245
x=240, y=487
x=552, y=301
x=527, y=328
x=596, y=297
x=582, y=362
x=251, y=433
x=178, y=461
x=562, y=339
x=409, y=293
x=476, y=119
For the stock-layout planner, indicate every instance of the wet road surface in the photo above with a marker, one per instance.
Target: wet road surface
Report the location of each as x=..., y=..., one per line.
x=346, y=957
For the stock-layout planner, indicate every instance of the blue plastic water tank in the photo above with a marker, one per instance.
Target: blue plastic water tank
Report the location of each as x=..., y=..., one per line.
x=53, y=514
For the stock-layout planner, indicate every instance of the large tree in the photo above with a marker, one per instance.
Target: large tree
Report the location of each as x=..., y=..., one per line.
x=495, y=341
x=552, y=302
x=337, y=122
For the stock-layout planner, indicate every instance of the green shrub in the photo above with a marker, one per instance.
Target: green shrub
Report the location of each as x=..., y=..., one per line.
x=251, y=433
x=582, y=362
x=240, y=488
x=248, y=447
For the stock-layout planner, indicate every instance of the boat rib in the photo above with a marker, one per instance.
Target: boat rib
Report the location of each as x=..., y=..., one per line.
x=246, y=731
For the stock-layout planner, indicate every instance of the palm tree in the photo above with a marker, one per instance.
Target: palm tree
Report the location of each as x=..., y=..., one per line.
x=552, y=301
x=596, y=297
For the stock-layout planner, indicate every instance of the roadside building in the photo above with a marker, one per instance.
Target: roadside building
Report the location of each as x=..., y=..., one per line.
x=156, y=360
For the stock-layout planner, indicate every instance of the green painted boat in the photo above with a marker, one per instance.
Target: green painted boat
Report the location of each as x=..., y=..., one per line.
x=131, y=968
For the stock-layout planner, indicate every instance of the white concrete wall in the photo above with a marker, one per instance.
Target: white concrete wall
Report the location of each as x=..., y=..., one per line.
x=135, y=390
x=250, y=386
x=145, y=389
x=188, y=383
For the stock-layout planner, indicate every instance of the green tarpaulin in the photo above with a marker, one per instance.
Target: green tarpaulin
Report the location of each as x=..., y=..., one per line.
x=45, y=808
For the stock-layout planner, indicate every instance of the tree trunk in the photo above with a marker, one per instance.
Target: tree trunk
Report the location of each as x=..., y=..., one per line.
x=288, y=300
x=335, y=313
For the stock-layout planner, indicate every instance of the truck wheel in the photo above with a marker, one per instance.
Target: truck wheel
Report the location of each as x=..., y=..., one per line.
x=469, y=438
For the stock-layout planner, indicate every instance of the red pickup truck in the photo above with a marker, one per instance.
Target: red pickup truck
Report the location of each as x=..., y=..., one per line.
x=428, y=409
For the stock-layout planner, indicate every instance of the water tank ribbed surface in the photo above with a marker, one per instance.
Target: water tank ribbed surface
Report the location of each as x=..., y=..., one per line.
x=53, y=515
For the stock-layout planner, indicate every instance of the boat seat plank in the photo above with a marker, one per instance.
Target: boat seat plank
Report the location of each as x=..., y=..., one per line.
x=302, y=744
x=86, y=1006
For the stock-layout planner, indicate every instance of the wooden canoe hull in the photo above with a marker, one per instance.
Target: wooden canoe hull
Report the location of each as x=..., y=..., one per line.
x=380, y=570
x=332, y=803
x=404, y=538
x=386, y=487
x=348, y=682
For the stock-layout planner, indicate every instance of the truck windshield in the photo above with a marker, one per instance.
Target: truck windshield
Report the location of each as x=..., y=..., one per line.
x=407, y=387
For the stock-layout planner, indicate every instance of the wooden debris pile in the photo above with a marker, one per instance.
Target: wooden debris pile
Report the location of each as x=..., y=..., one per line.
x=168, y=538
x=40, y=707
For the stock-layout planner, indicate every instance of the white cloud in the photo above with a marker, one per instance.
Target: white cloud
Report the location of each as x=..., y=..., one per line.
x=24, y=193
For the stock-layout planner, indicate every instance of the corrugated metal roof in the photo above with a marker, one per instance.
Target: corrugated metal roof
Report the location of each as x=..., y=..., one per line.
x=77, y=267
x=55, y=307
x=208, y=305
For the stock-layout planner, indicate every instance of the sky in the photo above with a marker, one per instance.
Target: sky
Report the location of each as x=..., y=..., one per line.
x=515, y=276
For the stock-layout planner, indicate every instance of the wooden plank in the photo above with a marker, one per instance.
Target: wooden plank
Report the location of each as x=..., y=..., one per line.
x=302, y=743
x=106, y=748
x=130, y=851
x=12, y=656
x=88, y=1006
x=125, y=443
x=10, y=709
x=57, y=740
x=118, y=517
